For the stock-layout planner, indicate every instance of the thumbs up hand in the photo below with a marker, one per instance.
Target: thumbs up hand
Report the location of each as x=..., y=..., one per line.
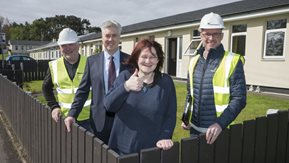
x=134, y=83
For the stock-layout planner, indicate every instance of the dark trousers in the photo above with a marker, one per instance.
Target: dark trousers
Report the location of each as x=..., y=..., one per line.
x=85, y=124
x=105, y=133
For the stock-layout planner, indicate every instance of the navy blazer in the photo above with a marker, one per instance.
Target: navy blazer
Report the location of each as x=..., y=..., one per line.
x=93, y=77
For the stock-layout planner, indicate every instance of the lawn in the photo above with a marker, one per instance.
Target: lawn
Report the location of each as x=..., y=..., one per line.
x=257, y=105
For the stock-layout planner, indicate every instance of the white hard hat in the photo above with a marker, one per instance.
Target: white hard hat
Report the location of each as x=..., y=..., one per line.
x=211, y=21
x=67, y=36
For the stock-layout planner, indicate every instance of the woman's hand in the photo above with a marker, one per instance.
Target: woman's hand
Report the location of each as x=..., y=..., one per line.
x=134, y=83
x=165, y=144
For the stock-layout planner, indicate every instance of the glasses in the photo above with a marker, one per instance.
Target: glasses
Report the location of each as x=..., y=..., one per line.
x=151, y=58
x=214, y=35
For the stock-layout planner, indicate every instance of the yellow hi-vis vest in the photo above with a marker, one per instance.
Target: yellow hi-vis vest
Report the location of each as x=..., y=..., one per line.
x=66, y=88
x=220, y=79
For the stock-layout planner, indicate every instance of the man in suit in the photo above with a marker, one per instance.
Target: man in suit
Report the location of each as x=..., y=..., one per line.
x=96, y=77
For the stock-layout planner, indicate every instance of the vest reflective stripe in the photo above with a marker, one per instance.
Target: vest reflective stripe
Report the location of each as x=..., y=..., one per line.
x=68, y=105
x=193, y=63
x=67, y=91
x=66, y=88
x=55, y=70
x=220, y=79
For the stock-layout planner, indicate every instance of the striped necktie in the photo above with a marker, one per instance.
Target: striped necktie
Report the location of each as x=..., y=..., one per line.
x=111, y=72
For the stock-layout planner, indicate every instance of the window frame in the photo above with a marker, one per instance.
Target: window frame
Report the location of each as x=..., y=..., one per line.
x=265, y=43
x=193, y=39
x=238, y=34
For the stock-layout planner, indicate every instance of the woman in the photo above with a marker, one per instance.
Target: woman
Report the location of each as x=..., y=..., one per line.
x=144, y=101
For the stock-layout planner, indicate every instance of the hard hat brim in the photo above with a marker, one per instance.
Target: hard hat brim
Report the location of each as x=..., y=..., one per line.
x=66, y=42
x=212, y=28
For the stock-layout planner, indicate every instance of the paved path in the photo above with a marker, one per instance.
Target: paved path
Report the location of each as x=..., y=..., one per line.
x=8, y=154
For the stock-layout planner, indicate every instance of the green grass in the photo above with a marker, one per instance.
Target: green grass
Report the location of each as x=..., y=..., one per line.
x=5, y=55
x=33, y=86
x=257, y=105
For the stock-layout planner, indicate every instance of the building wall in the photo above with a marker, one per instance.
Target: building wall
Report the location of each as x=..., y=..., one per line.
x=259, y=71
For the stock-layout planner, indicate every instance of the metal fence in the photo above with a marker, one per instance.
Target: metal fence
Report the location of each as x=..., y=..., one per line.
x=264, y=140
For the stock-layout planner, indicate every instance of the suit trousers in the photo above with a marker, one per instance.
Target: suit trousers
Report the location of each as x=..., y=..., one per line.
x=105, y=133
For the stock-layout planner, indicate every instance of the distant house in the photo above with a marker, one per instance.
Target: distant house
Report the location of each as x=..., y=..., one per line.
x=2, y=42
x=51, y=50
x=21, y=46
x=2, y=38
x=257, y=29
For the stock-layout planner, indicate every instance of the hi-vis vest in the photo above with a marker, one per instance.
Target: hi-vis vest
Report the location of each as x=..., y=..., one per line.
x=221, y=77
x=66, y=88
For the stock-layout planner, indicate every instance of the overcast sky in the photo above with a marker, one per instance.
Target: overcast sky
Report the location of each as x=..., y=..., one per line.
x=97, y=11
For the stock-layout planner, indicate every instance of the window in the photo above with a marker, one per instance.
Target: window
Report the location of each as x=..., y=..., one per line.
x=238, y=40
x=83, y=50
x=119, y=45
x=91, y=49
x=196, y=40
x=135, y=41
x=275, y=38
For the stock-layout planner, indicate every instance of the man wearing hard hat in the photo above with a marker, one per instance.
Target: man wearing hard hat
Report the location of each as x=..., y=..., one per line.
x=65, y=74
x=216, y=83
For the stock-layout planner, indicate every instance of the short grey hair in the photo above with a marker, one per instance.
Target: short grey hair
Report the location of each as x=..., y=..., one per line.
x=111, y=23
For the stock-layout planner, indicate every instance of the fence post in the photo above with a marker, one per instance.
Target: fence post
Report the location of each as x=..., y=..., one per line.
x=69, y=146
x=206, y=151
x=130, y=158
x=222, y=147
x=81, y=144
x=261, y=135
x=104, y=151
x=150, y=155
x=171, y=155
x=112, y=156
x=282, y=136
x=272, y=120
x=74, y=131
x=248, y=141
x=89, y=147
x=64, y=142
x=287, y=144
x=97, y=150
x=190, y=150
x=236, y=143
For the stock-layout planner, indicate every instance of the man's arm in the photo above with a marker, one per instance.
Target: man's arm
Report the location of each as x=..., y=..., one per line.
x=79, y=98
x=47, y=89
x=237, y=103
x=238, y=95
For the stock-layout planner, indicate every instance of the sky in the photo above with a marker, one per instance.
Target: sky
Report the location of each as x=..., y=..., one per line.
x=126, y=12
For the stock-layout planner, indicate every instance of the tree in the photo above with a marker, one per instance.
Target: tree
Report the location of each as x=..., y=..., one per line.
x=48, y=29
x=37, y=30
